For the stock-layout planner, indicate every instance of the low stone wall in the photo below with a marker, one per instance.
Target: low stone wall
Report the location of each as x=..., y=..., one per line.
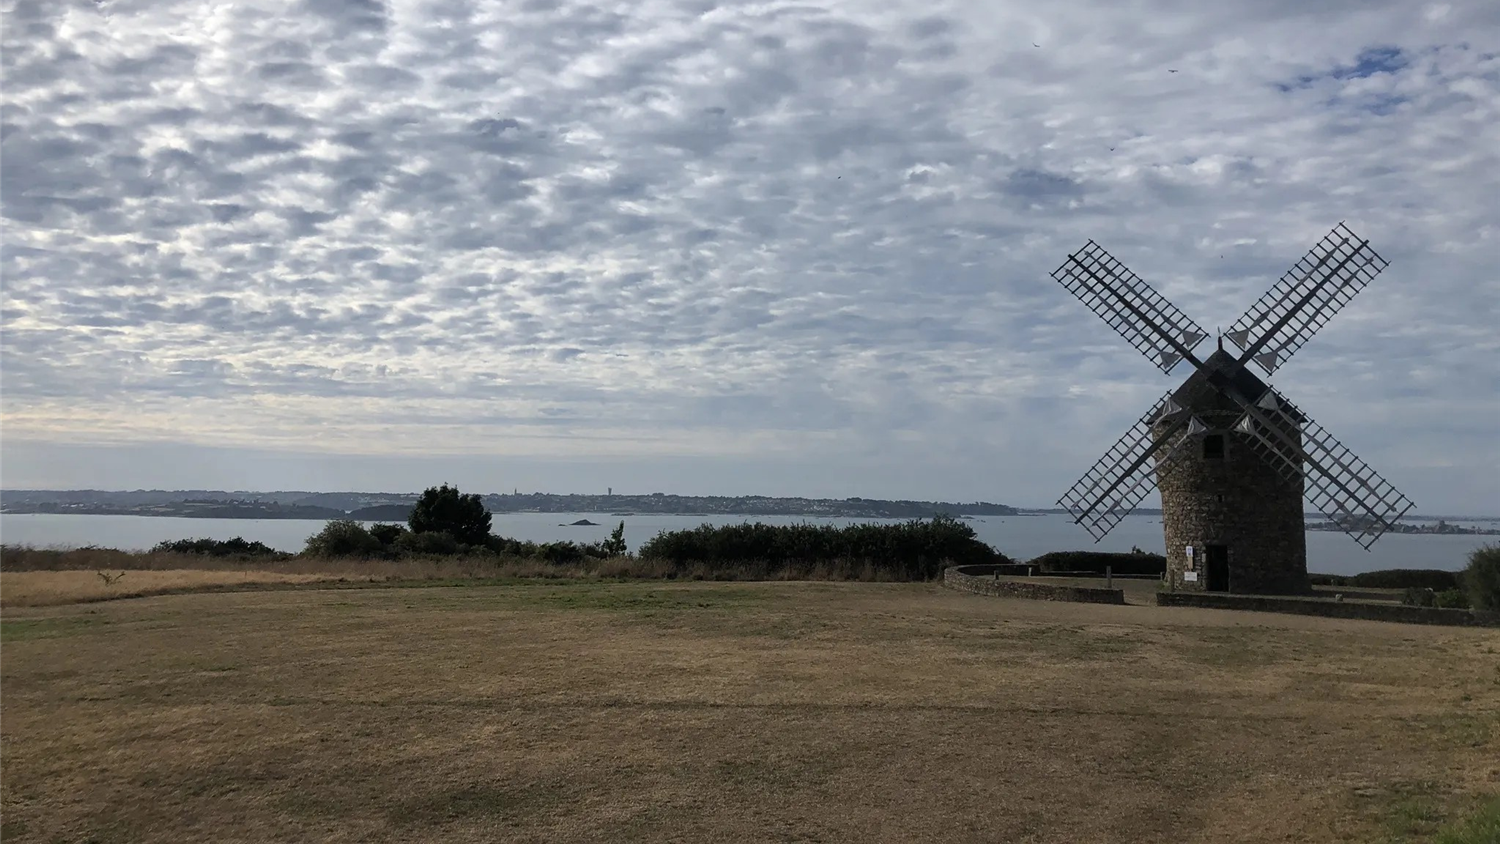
x=1329, y=608
x=981, y=580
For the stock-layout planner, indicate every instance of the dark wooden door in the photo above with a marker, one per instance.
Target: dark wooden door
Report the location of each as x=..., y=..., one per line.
x=1216, y=563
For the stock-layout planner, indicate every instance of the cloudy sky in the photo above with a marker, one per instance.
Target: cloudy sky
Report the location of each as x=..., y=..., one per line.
x=720, y=247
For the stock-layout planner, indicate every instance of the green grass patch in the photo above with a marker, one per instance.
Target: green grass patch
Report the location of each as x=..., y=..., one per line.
x=1483, y=827
x=27, y=629
x=1412, y=819
x=1428, y=811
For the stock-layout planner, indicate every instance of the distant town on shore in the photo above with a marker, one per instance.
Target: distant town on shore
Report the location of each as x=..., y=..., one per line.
x=361, y=506
x=395, y=507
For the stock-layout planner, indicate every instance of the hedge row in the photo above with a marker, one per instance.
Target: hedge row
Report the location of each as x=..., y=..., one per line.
x=913, y=550
x=1135, y=562
x=348, y=538
x=236, y=547
x=1434, y=579
x=1417, y=596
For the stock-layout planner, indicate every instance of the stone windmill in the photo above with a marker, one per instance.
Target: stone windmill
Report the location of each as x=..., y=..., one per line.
x=1232, y=456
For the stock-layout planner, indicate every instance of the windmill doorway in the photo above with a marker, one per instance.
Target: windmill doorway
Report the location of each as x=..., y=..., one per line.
x=1216, y=567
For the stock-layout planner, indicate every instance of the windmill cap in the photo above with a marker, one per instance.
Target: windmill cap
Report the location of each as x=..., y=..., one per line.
x=1199, y=394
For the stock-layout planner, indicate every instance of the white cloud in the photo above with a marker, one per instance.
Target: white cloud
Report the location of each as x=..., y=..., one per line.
x=552, y=229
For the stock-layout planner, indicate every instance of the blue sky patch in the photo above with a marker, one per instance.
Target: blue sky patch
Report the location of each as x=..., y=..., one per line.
x=1370, y=61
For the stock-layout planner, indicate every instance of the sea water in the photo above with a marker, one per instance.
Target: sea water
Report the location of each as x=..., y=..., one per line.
x=1020, y=537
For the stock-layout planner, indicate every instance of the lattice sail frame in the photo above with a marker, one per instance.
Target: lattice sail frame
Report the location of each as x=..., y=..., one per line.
x=1125, y=474
x=1129, y=305
x=1339, y=484
x=1307, y=296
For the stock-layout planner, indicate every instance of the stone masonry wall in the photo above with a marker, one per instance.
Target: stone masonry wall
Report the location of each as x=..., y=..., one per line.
x=984, y=583
x=1239, y=501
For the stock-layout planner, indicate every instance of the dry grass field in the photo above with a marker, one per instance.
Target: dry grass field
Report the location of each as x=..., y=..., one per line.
x=54, y=588
x=587, y=711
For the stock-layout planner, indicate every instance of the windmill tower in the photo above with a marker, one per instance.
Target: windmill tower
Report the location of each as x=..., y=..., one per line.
x=1232, y=457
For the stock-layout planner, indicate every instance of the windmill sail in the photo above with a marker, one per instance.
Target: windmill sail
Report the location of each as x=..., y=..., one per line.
x=1130, y=306
x=1125, y=474
x=1310, y=293
x=1336, y=482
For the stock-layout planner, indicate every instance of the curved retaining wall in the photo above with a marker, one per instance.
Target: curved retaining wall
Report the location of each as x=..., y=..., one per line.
x=1330, y=609
x=981, y=580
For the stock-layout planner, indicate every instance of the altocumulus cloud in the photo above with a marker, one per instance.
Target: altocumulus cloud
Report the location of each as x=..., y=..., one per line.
x=805, y=243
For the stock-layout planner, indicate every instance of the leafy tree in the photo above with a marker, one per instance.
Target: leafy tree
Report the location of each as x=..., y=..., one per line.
x=387, y=534
x=1482, y=578
x=446, y=510
x=342, y=538
x=615, y=545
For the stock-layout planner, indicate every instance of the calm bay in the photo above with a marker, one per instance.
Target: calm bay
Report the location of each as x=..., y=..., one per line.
x=1021, y=537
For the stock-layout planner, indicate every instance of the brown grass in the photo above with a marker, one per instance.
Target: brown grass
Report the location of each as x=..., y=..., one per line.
x=53, y=588
x=588, y=711
x=14, y=558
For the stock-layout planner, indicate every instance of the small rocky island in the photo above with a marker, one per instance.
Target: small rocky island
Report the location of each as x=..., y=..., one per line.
x=579, y=523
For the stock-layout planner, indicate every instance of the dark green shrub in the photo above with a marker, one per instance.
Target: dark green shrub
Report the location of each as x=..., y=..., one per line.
x=912, y=550
x=1418, y=596
x=1095, y=561
x=446, y=510
x=1435, y=579
x=236, y=547
x=1328, y=580
x=615, y=545
x=439, y=543
x=1481, y=580
x=1451, y=599
x=342, y=538
x=561, y=553
x=387, y=534
x=511, y=547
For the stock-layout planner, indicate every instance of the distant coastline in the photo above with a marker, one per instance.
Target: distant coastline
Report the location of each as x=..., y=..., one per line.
x=395, y=507
x=210, y=504
x=1441, y=528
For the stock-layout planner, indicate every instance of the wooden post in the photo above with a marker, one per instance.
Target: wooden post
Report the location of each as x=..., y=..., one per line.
x=1109, y=577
